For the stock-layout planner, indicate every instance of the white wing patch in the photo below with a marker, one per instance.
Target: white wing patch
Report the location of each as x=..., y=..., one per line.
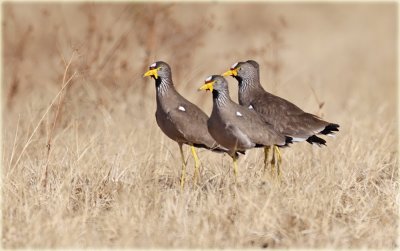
x=251, y=107
x=294, y=139
x=181, y=108
x=153, y=65
x=234, y=65
x=239, y=114
x=208, y=79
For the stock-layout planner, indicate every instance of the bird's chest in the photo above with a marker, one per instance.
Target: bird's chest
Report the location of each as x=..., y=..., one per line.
x=217, y=128
x=164, y=121
x=225, y=126
x=167, y=121
x=218, y=123
x=246, y=100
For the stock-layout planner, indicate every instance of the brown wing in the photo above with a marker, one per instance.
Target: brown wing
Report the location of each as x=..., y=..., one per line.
x=286, y=117
x=253, y=126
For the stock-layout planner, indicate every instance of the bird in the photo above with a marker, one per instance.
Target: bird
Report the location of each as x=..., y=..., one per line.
x=234, y=126
x=284, y=116
x=178, y=118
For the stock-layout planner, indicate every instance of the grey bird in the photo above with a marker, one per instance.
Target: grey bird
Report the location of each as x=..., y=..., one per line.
x=178, y=118
x=284, y=116
x=235, y=127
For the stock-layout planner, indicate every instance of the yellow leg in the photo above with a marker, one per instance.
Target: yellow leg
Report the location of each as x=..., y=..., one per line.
x=196, y=165
x=266, y=153
x=183, y=173
x=279, y=157
x=235, y=167
x=273, y=161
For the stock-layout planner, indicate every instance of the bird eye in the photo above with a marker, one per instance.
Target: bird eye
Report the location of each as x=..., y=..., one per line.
x=160, y=68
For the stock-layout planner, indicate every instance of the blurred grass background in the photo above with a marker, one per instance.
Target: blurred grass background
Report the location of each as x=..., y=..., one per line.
x=112, y=177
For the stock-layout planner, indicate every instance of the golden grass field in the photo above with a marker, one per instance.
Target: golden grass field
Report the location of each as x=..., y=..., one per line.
x=87, y=167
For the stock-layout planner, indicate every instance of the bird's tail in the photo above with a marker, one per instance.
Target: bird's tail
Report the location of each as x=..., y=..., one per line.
x=316, y=140
x=330, y=129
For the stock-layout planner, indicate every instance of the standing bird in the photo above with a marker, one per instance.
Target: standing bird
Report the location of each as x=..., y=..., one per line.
x=284, y=116
x=178, y=118
x=234, y=126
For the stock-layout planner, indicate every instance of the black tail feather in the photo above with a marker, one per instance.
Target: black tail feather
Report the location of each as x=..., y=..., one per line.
x=329, y=129
x=317, y=140
x=288, y=140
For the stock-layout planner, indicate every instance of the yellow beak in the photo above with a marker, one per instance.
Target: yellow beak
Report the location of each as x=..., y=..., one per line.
x=151, y=73
x=231, y=73
x=207, y=86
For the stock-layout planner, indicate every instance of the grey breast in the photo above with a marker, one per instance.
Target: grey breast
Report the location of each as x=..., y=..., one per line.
x=183, y=121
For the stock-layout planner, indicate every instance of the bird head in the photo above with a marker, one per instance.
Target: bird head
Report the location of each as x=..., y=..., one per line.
x=158, y=69
x=243, y=70
x=214, y=82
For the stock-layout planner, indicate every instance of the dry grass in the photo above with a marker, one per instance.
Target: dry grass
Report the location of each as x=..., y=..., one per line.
x=95, y=171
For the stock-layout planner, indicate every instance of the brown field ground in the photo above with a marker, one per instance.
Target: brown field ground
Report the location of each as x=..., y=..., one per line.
x=90, y=168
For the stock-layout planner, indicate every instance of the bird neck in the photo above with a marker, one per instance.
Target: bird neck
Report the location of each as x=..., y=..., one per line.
x=163, y=85
x=221, y=98
x=247, y=84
